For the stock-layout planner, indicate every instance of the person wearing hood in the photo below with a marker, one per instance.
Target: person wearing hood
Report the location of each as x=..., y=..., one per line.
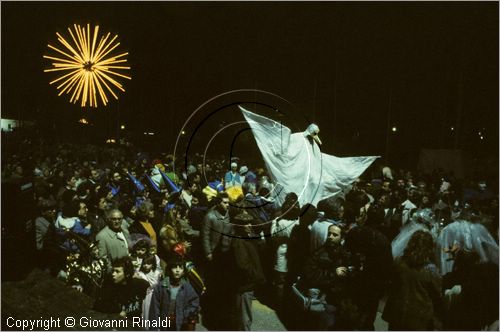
x=247, y=176
x=232, y=178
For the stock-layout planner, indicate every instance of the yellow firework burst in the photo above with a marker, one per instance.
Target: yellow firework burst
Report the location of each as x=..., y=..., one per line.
x=88, y=67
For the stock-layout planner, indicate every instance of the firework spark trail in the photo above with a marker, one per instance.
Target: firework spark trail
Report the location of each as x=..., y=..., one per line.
x=87, y=68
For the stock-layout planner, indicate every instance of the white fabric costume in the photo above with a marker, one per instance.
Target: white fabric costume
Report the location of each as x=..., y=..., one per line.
x=296, y=163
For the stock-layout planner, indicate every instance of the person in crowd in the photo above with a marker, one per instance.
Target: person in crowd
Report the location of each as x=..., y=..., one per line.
x=96, y=215
x=386, y=187
x=45, y=232
x=300, y=241
x=150, y=272
x=69, y=186
x=84, y=192
x=247, y=176
x=216, y=229
x=115, y=184
x=426, y=201
x=47, y=210
x=122, y=293
x=259, y=210
x=471, y=292
x=172, y=236
x=129, y=210
x=153, y=250
x=232, y=177
x=422, y=219
x=216, y=237
x=332, y=212
x=281, y=229
x=197, y=211
x=196, y=185
x=83, y=213
x=388, y=217
x=414, y=301
x=95, y=177
x=68, y=221
x=174, y=298
x=469, y=234
x=42, y=186
x=370, y=253
x=113, y=239
x=138, y=251
x=144, y=214
x=463, y=263
x=187, y=193
x=247, y=274
x=409, y=205
x=327, y=270
x=156, y=176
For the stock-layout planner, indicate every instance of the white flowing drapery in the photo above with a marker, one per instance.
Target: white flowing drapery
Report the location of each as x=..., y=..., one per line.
x=296, y=163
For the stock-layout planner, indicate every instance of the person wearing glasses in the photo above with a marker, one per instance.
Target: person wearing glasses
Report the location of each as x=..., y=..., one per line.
x=113, y=239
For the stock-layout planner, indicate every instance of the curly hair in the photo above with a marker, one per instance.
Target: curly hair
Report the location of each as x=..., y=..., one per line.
x=420, y=250
x=126, y=263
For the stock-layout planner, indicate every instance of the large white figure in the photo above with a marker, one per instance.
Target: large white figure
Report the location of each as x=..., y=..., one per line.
x=295, y=162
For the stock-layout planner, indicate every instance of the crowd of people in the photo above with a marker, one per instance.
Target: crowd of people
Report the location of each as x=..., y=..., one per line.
x=145, y=239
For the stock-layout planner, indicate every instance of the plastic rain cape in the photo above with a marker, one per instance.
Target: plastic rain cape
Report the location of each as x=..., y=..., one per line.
x=422, y=220
x=469, y=236
x=296, y=163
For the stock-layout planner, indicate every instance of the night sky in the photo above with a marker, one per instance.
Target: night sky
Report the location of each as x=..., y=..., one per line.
x=342, y=64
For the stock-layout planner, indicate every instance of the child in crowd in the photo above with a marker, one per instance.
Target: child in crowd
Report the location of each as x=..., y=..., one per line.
x=152, y=275
x=175, y=298
x=122, y=293
x=139, y=250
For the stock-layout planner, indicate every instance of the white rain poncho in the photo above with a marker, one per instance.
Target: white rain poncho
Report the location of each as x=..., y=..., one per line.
x=468, y=236
x=421, y=220
x=296, y=163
